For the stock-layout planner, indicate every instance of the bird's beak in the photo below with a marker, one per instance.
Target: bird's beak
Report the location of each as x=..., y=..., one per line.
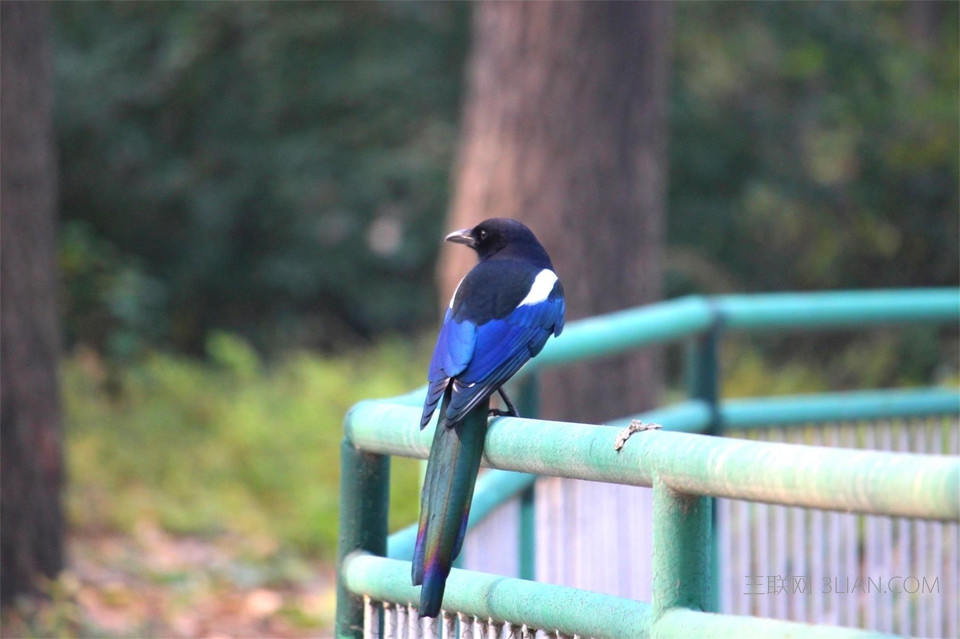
x=462, y=236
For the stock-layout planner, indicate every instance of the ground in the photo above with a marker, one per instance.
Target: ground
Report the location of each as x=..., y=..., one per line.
x=153, y=584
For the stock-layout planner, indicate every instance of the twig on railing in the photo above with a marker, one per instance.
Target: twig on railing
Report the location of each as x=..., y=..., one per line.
x=636, y=426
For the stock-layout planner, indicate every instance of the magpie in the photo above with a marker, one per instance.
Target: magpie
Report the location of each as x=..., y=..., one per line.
x=501, y=315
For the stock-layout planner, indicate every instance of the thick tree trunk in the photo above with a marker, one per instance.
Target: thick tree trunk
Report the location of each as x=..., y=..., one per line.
x=565, y=129
x=31, y=524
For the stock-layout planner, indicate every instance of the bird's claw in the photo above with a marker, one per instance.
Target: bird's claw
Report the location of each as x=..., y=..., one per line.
x=511, y=410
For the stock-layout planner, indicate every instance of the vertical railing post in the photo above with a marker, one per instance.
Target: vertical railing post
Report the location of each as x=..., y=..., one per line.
x=681, y=550
x=364, y=506
x=529, y=406
x=703, y=372
x=703, y=383
x=528, y=541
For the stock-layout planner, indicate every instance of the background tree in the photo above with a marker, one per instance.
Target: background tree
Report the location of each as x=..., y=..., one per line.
x=565, y=128
x=31, y=524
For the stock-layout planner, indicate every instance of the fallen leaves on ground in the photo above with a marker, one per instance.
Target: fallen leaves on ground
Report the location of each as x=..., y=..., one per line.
x=153, y=584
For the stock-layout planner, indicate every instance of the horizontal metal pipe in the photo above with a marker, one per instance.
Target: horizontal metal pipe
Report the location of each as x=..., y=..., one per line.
x=569, y=610
x=816, y=310
x=554, y=449
x=387, y=428
x=849, y=406
x=623, y=330
x=872, y=482
x=517, y=601
x=682, y=317
x=686, y=316
x=865, y=481
x=377, y=425
x=693, y=416
x=680, y=623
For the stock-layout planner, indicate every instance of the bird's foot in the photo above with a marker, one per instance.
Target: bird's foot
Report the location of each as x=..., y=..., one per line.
x=636, y=426
x=511, y=410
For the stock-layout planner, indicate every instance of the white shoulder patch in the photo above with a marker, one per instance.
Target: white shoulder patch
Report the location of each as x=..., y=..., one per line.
x=455, y=291
x=541, y=287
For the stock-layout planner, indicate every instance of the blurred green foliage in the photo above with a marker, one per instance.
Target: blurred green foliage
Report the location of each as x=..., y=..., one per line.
x=814, y=146
x=230, y=445
x=280, y=170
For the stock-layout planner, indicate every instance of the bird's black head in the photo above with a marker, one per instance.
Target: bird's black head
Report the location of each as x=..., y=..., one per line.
x=503, y=238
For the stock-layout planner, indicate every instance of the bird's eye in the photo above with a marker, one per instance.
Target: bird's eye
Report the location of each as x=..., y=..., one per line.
x=483, y=234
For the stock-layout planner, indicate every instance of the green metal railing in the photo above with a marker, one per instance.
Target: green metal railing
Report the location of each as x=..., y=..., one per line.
x=685, y=469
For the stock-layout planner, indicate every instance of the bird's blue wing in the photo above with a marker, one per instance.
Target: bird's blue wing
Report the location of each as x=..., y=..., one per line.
x=502, y=347
x=455, y=347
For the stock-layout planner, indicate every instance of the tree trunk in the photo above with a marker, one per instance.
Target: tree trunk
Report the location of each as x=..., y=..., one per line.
x=31, y=524
x=565, y=129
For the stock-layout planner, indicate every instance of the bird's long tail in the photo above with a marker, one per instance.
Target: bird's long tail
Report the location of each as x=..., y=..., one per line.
x=445, y=502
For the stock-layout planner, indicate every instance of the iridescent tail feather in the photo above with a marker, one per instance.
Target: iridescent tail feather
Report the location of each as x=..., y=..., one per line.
x=445, y=502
